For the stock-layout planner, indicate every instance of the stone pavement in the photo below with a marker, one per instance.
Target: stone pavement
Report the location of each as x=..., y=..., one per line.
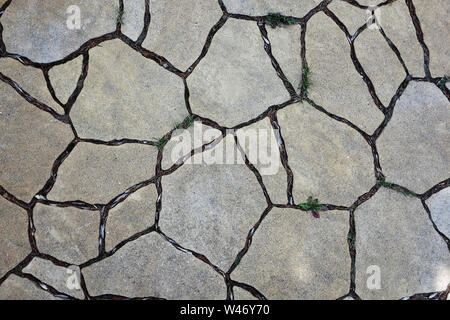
x=230, y=149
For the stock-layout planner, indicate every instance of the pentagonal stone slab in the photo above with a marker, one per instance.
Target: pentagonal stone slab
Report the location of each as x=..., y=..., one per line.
x=263, y=7
x=209, y=206
x=133, y=18
x=296, y=256
x=65, y=280
x=127, y=96
x=64, y=78
x=98, y=173
x=219, y=86
x=415, y=145
x=351, y=16
x=439, y=205
x=30, y=80
x=44, y=31
x=30, y=142
x=380, y=64
x=178, y=30
x=335, y=83
x=135, y=214
x=68, y=234
x=17, y=288
x=260, y=143
x=14, y=245
x=398, y=26
x=157, y=269
x=397, y=244
x=330, y=160
x=435, y=25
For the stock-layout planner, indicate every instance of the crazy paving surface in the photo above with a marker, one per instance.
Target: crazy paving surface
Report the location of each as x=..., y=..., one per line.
x=113, y=115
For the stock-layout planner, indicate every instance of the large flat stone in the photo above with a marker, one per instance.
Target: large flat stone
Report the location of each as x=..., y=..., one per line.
x=394, y=233
x=439, y=205
x=330, y=161
x=135, y=214
x=98, y=173
x=30, y=80
x=39, y=30
x=178, y=30
x=351, y=16
x=260, y=144
x=157, y=269
x=64, y=78
x=335, y=83
x=263, y=7
x=210, y=208
x=415, y=145
x=219, y=86
x=296, y=256
x=68, y=234
x=119, y=81
x=17, y=288
x=30, y=142
x=14, y=245
x=133, y=18
x=435, y=25
x=65, y=280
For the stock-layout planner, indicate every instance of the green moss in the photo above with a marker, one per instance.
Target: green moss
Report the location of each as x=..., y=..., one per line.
x=276, y=19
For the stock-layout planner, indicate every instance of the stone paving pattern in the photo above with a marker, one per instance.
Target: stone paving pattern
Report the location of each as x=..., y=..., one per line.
x=87, y=190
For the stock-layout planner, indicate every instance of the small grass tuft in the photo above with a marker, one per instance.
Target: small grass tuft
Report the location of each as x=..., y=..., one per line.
x=120, y=16
x=305, y=83
x=186, y=123
x=312, y=205
x=443, y=81
x=160, y=143
x=276, y=20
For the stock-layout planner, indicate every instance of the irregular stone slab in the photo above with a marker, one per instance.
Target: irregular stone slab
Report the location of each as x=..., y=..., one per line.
x=296, y=256
x=395, y=237
x=263, y=7
x=121, y=100
x=380, y=63
x=68, y=234
x=435, y=24
x=98, y=173
x=398, y=26
x=330, y=160
x=241, y=294
x=40, y=30
x=351, y=16
x=133, y=18
x=335, y=83
x=286, y=49
x=219, y=86
x=157, y=269
x=439, y=205
x=65, y=280
x=415, y=145
x=64, y=78
x=178, y=30
x=30, y=80
x=210, y=207
x=135, y=214
x=30, y=142
x=260, y=144
x=185, y=140
x=14, y=245
x=17, y=288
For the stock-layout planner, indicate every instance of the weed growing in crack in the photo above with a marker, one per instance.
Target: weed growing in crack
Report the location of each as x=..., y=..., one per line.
x=352, y=241
x=186, y=123
x=276, y=19
x=312, y=205
x=389, y=185
x=160, y=143
x=305, y=83
x=119, y=18
x=443, y=81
